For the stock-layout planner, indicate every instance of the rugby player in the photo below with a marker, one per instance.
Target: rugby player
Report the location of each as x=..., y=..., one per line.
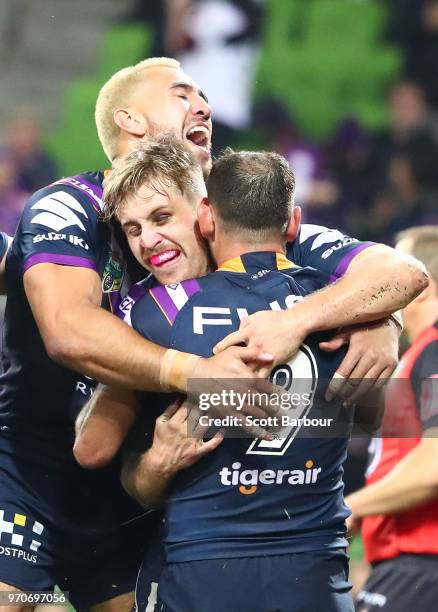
x=398, y=508
x=239, y=537
x=61, y=261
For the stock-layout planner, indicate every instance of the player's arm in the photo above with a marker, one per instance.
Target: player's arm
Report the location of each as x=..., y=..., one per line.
x=372, y=356
x=377, y=282
x=414, y=480
x=103, y=424
x=109, y=414
x=78, y=333
x=5, y=241
x=147, y=475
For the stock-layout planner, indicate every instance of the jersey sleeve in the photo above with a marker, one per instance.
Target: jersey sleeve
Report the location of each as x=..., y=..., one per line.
x=328, y=250
x=424, y=380
x=59, y=225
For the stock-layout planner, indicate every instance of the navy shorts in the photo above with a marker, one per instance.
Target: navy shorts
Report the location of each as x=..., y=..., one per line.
x=403, y=584
x=73, y=528
x=146, y=588
x=301, y=582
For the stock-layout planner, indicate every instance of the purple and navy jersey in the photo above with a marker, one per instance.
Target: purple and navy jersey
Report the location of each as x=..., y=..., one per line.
x=3, y=245
x=327, y=250
x=249, y=497
x=39, y=398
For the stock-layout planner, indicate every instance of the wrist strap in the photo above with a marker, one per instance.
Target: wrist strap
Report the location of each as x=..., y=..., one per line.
x=176, y=368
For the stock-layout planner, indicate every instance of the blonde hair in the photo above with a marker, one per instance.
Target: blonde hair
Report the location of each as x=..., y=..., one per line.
x=162, y=163
x=116, y=92
x=423, y=245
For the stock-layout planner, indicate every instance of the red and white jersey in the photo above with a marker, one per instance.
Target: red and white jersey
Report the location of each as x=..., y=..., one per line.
x=411, y=407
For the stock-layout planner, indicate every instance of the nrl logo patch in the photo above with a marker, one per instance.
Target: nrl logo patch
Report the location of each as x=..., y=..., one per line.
x=112, y=274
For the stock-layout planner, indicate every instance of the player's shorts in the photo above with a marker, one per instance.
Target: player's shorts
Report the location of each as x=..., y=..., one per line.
x=149, y=574
x=404, y=584
x=71, y=529
x=302, y=582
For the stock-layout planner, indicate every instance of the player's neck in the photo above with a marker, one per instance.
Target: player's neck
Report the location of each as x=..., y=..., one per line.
x=231, y=249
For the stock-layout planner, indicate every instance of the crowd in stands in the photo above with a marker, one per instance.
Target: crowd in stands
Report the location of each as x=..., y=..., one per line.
x=371, y=184
x=25, y=167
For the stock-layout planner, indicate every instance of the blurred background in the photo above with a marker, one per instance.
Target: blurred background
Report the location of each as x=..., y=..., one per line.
x=346, y=90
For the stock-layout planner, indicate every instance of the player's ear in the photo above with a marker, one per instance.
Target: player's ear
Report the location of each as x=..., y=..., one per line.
x=294, y=224
x=205, y=218
x=130, y=120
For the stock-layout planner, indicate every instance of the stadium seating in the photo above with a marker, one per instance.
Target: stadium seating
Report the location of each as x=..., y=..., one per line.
x=319, y=75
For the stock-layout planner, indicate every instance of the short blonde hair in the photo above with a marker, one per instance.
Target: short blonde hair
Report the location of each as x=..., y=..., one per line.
x=116, y=92
x=423, y=245
x=162, y=163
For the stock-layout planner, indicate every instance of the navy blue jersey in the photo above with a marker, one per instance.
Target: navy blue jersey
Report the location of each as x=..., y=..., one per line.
x=3, y=244
x=39, y=399
x=249, y=497
x=83, y=517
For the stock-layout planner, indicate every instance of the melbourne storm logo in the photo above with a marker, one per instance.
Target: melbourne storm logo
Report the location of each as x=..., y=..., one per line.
x=59, y=210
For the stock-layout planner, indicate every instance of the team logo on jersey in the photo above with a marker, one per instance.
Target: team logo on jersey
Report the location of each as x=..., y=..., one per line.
x=59, y=211
x=248, y=481
x=13, y=542
x=112, y=274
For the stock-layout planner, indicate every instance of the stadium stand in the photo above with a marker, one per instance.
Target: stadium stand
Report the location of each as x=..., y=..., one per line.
x=46, y=44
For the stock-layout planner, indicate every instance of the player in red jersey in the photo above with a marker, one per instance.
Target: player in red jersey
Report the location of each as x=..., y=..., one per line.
x=398, y=507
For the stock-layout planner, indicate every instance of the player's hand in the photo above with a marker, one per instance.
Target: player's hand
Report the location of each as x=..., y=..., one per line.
x=353, y=525
x=172, y=449
x=236, y=362
x=238, y=373
x=371, y=359
x=353, y=522
x=270, y=332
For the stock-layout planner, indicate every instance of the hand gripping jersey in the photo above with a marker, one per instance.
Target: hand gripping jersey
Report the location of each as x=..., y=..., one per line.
x=248, y=498
x=411, y=408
